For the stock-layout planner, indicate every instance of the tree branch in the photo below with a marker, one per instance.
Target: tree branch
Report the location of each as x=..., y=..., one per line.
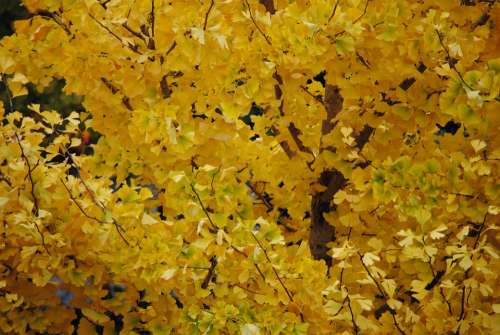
x=382, y=292
x=78, y=205
x=211, y=272
x=96, y=201
x=274, y=270
x=132, y=47
x=354, y=325
x=214, y=226
x=333, y=11
x=110, y=86
x=355, y=20
x=295, y=132
x=268, y=41
x=448, y=60
x=207, y=14
x=151, y=41
x=56, y=18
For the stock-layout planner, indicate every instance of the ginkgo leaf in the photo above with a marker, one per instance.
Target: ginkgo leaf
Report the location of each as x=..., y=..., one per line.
x=370, y=258
x=198, y=34
x=332, y=307
x=213, y=167
x=496, y=308
x=148, y=220
x=478, y=145
x=168, y=274
x=466, y=262
x=437, y=233
x=249, y=329
x=95, y=316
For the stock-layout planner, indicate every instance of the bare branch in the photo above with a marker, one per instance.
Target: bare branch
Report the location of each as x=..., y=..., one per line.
x=449, y=60
x=356, y=20
x=56, y=18
x=132, y=47
x=119, y=229
x=382, y=292
x=268, y=41
x=467, y=273
x=78, y=205
x=354, y=324
x=214, y=226
x=334, y=10
x=110, y=86
x=211, y=272
x=41, y=237
x=134, y=32
x=295, y=132
x=36, y=208
x=29, y=175
x=274, y=270
x=255, y=264
x=207, y=14
x=151, y=40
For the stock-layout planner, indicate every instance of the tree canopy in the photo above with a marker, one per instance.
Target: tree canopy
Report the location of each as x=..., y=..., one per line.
x=253, y=167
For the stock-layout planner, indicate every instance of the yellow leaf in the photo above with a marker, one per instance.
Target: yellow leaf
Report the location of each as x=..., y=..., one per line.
x=95, y=316
x=466, y=262
x=249, y=329
x=370, y=259
x=332, y=307
x=148, y=220
x=168, y=274
x=496, y=308
x=478, y=145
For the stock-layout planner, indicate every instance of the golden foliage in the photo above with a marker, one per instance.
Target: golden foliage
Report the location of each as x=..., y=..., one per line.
x=265, y=167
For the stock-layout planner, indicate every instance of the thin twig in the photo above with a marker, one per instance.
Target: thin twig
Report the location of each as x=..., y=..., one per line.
x=110, y=86
x=318, y=99
x=210, y=274
x=392, y=311
x=29, y=175
x=41, y=237
x=355, y=20
x=104, y=4
x=256, y=25
x=371, y=276
x=244, y=288
x=207, y=14
x=214, y=226
x=96, y=201
x=36, y=209
x=255, y=264
x=333, y=12
x=56, y=18
x=448, y=59
x=212, y=181
x=78, y=205
x=132, y=47
x=133, y=32
x=480, y=231
x=152, y=15
x=172, y=47
x=342, y=271
x=274, y=270
x=467, y=272
x=354, y=324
